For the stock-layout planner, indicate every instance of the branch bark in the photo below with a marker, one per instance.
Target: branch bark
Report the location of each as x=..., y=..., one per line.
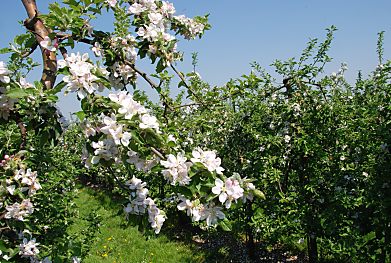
x=35, y=24
x=23, y=131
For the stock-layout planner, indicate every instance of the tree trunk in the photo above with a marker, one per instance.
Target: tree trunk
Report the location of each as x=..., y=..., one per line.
x=249, y=231
x=312, y=248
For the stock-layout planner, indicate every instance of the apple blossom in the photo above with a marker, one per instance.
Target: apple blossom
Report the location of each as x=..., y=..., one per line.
x=111, y=3
x=177, y=169
x=6, y=104
x=136, y=9
x=208, y=159
x=97, y=49
x=167, y=9
x=49, y=44
x=212, y=214
x=19, y=211
x=4, y=72
x=228, y=191
x=29, y=248
x=149, y=122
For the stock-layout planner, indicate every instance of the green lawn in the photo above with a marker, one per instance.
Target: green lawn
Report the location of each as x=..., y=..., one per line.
x=117, y=241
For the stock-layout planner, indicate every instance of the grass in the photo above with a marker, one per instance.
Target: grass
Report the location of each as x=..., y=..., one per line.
x=117, y=241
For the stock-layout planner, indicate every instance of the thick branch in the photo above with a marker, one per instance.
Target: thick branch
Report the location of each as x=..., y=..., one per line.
x=35, y=24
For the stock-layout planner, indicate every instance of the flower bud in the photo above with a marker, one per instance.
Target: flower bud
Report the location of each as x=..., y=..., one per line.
x=259, y=194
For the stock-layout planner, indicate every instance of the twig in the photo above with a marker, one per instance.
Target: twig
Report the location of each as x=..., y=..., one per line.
x=64, y=52
x=28, y=53
x=143, y=74
x=185, y=83
x=23, y=131
x=319, y=86
x=150, y=82
x=159, y=154
x=117, y=180
x=62, y=36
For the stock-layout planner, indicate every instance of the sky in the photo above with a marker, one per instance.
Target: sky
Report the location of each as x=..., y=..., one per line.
x=254, y=30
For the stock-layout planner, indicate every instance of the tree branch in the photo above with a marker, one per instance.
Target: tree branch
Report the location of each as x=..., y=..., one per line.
x=34, y=24
x=28, y=53
x=185, y=83
x=150, y=82
x=117, y=180
x=23, y=131
x=159, y=154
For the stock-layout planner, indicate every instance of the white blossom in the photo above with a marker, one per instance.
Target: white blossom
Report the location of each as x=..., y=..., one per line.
x=208, y=159
x=136, y=9
x=105, y=149
x=111, y=3
x=149, y=121
x=212, y=214
x=167, y=9
x=28, y=178
x=97, y=49
x=29, y=248
x=6, y=103
x=81, y=78
x=19, y=211
x=4, y=72
x=227, y=191
x=177, y=169
x=193, y=27
x=49, y=44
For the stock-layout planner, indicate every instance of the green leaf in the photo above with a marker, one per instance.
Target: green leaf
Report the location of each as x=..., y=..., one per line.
x=17, y=93
x=57, y=88
x=81, y=115
x=5, y=50
x=160, y=66
x=225, y=225
x=211, y=197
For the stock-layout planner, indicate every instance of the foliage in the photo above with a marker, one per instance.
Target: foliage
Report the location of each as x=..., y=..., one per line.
x=305, y=160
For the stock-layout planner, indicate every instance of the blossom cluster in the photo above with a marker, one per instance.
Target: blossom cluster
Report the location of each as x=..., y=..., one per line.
x=6, y=103
x=4, y=73
x=193, y=28
x=177, y=169
x=139, y=163
x=28, y=248
x=22, y=180
x=157, y=19
x=140, y=203
x=231, y=190
x=83, y=77
x=198, y=211
x=227, y=191
x=27, y=180
x=118, y=133
x=208, y=159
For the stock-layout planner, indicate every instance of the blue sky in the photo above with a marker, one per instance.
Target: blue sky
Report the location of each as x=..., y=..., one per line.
x=258, y=30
